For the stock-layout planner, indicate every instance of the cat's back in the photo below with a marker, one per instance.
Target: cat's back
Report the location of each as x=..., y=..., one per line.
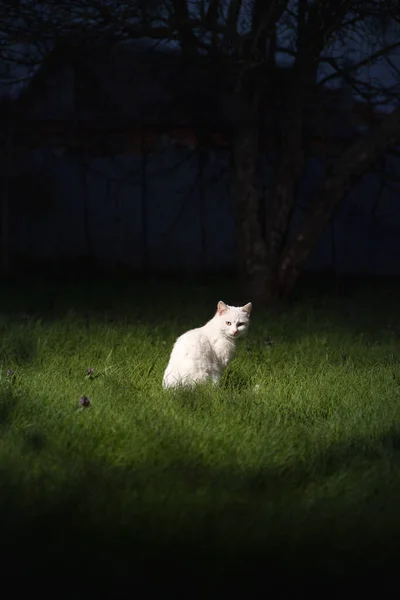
x=192, y=341
x=191, y=359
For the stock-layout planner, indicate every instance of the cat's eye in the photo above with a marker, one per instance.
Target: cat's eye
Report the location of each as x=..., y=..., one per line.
x=240, y=324
x=228, y=323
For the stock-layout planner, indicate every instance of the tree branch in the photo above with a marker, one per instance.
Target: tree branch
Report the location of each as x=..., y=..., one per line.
x=264, y=19
x=186, y=36
x=211, y=21
x=232, y=21
x=348, y=70
x=354, y=162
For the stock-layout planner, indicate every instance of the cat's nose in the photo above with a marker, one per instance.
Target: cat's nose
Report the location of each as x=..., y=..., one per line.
x=236, y=332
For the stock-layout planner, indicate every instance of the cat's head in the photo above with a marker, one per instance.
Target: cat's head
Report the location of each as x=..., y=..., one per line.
x=234, y=321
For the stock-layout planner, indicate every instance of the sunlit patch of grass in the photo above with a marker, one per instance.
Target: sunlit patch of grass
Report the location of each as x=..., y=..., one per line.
x=293, y=459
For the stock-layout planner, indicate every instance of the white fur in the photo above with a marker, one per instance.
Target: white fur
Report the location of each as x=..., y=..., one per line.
x=203, y=353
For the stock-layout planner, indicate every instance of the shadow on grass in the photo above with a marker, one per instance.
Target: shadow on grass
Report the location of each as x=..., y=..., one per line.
x=187, y=524
x=23, y=350
x=19, y=348
x=7, y=405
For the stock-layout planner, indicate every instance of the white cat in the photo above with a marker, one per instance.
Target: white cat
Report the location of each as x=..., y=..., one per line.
x=203, y=353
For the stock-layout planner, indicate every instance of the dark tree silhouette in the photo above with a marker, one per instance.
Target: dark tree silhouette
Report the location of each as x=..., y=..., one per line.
x=242, y=37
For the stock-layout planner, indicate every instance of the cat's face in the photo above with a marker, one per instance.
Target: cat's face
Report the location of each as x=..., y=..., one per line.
x=234, y=320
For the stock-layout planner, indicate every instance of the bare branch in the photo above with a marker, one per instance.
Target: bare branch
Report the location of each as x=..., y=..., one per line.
x=366, y=61
x=265, y=18
x=211, y=21
x=232, y=21
x=186, y=36
x=355, y=161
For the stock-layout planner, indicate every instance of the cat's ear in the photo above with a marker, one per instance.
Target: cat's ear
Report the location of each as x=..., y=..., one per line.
x=247, y=308
x=221, y=307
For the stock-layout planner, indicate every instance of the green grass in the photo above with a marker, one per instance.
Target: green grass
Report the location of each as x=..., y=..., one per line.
x=291, y=466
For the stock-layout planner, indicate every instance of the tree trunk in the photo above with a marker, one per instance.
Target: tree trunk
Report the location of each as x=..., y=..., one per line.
x=259, y=246
x=353, y=163
x=251, y=246
x=282, y=196
x=314, y=25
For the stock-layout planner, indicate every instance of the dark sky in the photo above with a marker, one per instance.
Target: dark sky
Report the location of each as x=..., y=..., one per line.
x=356, y=46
